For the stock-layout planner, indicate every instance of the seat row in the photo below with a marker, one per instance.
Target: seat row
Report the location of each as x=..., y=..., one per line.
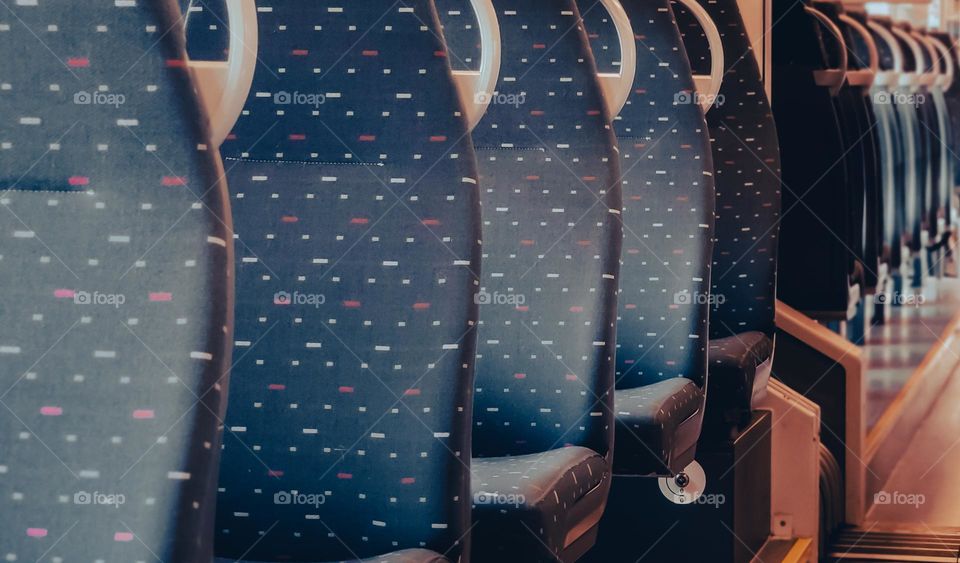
x=459, y=268
x=879, y=131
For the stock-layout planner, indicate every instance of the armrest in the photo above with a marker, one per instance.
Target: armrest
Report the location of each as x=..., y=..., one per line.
x=738, y=371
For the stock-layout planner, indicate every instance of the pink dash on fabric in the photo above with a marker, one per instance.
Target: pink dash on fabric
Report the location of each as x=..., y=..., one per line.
x=78, y=180
x=143, y=414
x=123, y=536
x=420, y=306
x=276, y=387
x=408, y=481
x=37, y=532
x=161, y=296
x=174, y=181
x=345, y=389
x=275, y=473
x=78, y=62
x=51, y=411
x=64, y=293
x=412, y=392
x=344, y=475
x=351, y=304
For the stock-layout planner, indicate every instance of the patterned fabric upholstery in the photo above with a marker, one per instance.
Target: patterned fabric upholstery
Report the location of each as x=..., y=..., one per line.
x=357, y=216
x=208, y=38
x=659, y=425
x=733, y=366
x=668, y=221
x=542, y=493
x=746, y=156
x=116, y=289
x=550, y=185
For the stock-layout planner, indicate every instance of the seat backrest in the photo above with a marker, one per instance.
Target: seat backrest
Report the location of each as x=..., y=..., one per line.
x=668, y=203
x=116, y=287
x=357, y=215
x=550, y=185
x=746, y=157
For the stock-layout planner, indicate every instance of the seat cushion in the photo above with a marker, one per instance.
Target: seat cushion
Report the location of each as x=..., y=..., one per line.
x=546, y=493
x=402, y=556
x=657, y=427
x=733, y=364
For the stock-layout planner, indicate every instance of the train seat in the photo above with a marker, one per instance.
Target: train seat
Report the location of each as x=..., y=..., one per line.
x=117, y=287
x=356, y=205
x=668, y=208
x=550, y=186
x=746, y=157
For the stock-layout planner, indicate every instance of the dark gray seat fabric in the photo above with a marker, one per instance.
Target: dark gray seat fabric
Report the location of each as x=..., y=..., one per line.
x=668, y=217
x=402, y=556
x=734, y=363
x=357, y=215
x=545, y=493
x=550, y=186
x=665, y=417
x=116, y=288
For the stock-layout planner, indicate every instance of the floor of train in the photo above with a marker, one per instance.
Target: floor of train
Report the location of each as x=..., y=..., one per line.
x=916, y=517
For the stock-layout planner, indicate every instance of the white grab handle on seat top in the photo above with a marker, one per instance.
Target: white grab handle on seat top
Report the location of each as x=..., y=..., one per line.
x=617, y=86
x=932, y=77
x=889, y=77
x=946, y=78
x=832, y=77
x=708, y=87
x=476, y=87
x=915, y=78
x=224, y=85
x=863, y=77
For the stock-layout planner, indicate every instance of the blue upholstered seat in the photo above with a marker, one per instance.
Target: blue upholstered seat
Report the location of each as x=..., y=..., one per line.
x=746, y=157
x=116, y=287
x=356, y=207
x=668, y=210
x=550, y=185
